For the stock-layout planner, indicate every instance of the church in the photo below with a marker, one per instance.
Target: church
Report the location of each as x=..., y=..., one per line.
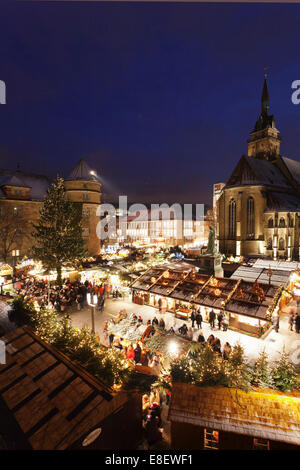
x=258, y=211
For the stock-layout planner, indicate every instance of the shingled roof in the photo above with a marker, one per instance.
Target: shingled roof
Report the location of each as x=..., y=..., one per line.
x=52, y=401
x=265, y=414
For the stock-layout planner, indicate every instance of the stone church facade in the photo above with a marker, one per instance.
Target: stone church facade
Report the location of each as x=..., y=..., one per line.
x=21, y=198
x=258, y=212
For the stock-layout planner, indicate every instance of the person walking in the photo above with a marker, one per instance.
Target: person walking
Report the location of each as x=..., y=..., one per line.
x=193, y=318
x=276, y=323
x=212, y=317
x=199, y=320
x=220, y=319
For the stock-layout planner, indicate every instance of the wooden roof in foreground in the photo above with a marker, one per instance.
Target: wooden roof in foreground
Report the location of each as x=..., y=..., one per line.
x=265, y=414
x=53, y=401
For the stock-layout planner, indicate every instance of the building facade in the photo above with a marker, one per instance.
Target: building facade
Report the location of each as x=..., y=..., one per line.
x=159, y=227
x=21, y=198
x=258, y=211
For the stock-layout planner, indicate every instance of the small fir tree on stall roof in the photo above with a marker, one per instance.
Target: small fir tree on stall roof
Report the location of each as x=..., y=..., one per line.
x=284, y=374
x=262, y=374
x=58, y=233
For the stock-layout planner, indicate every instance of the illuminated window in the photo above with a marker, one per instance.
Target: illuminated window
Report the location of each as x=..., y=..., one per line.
x=281, y=244
x=15, y=252
x=282, y=223
x=232, y=219
x=211, y=439
x=261, y=444
x=250, y=218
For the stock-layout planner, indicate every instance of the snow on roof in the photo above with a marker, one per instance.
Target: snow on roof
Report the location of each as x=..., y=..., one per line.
x=282, y=202
x=293, y=167
x=38, y=183
x=83, y=172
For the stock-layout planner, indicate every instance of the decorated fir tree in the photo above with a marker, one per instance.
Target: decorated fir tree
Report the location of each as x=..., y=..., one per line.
x=284, y=374
x=58, y=233
x=262, y=374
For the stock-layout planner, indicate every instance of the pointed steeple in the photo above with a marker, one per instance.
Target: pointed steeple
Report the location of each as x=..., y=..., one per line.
x=265, y=100
x=264, y=142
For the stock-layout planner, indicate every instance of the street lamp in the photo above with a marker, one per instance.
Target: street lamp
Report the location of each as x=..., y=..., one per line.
x=92, y=301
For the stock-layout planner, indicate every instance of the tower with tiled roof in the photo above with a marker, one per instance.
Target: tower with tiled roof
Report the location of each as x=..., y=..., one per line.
x=83, y=187
x=264, y=142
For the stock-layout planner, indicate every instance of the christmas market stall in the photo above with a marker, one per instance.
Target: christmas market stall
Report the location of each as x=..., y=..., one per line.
x=179, y=288
x=6, y=273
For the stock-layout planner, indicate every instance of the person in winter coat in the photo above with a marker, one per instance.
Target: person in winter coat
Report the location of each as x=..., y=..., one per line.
x=220, y=320
x=153, y=434
x=162, y=323
x=137, y=354
x=199, y=320
x=193, y=318
x=212, y=317
x=201, y=338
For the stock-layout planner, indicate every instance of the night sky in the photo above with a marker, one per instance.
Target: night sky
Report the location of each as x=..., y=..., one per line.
x=159, y=98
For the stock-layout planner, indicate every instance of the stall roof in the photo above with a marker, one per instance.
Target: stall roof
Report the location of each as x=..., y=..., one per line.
x=237, y=295
x=52, y=401
x=267, y=414
x=260, y=273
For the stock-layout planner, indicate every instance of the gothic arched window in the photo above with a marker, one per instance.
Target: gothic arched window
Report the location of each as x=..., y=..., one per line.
x=282, y=222
x=281, y=244
x=232, y=219
x=269, y=244
x=270, y=223
x=250, y=218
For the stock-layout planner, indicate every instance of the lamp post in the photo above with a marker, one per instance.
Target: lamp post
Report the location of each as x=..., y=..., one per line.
x=92, y=301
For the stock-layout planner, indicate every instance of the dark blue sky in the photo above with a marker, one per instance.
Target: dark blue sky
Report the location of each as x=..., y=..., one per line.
x=159, y=98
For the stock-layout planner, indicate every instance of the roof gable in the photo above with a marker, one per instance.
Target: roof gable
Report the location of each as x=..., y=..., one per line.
x=254, y=171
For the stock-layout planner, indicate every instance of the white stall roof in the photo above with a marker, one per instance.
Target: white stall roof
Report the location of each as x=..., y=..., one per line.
x=247, y=273
x=279, y=265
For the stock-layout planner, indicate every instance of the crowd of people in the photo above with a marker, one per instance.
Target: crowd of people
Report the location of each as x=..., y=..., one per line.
x=69, y=294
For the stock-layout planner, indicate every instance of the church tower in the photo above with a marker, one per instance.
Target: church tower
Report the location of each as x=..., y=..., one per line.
x=264, y=142
x=83, y=187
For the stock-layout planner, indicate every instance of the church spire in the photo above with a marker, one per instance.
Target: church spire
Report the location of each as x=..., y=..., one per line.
x=264, y=142
x=265, y=100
